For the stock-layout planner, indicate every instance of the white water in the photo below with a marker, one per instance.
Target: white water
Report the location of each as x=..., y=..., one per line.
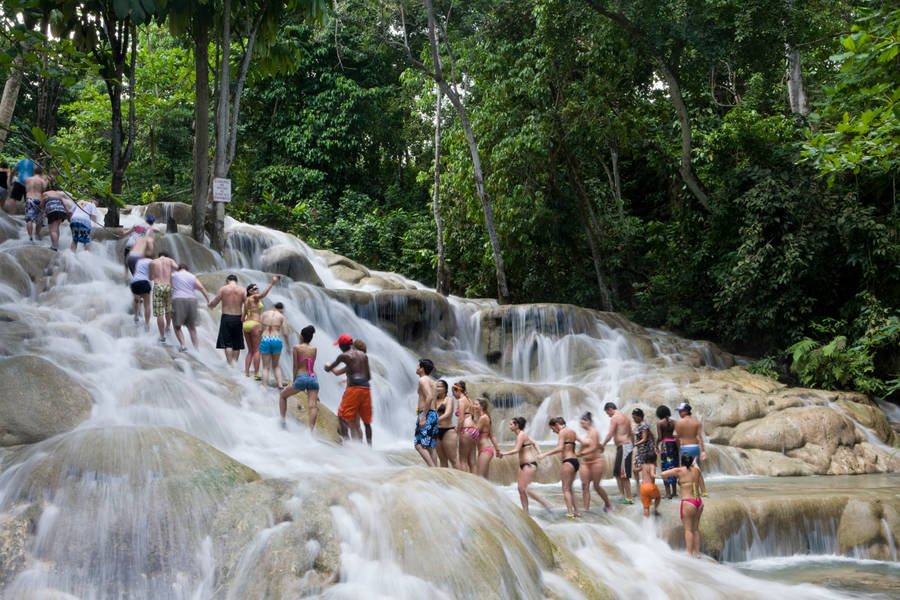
x=397, y=527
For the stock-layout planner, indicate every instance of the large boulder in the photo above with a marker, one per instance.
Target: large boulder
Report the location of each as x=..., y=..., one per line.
x=794, y=428
x=9, y=228
x=343, y=268
x=414, y=316
x=39, y=400
x=13, y=275
x=36, y=262
x=290, y=263
x=185, y=249
x=162, y=211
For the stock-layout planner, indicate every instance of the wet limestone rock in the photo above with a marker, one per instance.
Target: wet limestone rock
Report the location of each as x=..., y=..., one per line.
x=161, y=211
x=860, y=525
x=13, y=275
x=413, y=316
x=867, y=414
x=794, y=428
x=326, y=421
x=343, y=268
x=39, y=400
x=290, y=263
x=34, y=260
x=185, y=249
x=9, y=228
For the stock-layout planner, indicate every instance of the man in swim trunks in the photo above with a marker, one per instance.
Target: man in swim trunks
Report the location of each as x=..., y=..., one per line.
x=20, y=173
x=620, y=433
x=134, y=234
x=161, y=269
x=143, y=246
x=184, y=305
x=649, y=490
x=689, y=433
x=53, y=204
x=231, y=335
x=357, y=399
x=426, y=415
x=35, y=186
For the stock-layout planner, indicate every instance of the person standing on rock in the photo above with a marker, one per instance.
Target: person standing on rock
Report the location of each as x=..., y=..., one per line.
x=304, y=380
x=591, y=453
x=274, y=329
x=184, y=305
x=142, y=247
x=35, y=186
x=84, y=212
x=447, y=440
x=140, y=289
x=357, y=399
x=20, y=173
x=4, y=183
x=232, y=297
x=252, y=330
x=649, y=489
x=689, y=432
x=425, y=432
x=688, y=475
x=135, y=233
x=161, y=269
x=668, y=447
x=53, y=204
x=466, y=430
x=620, y=433
x=569, y=466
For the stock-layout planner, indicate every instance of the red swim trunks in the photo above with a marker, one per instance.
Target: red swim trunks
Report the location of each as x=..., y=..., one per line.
x=357, y=400
x=649, y=493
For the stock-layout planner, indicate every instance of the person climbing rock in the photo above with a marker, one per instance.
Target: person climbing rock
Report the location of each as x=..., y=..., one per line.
x=357, y=399
x=232, y=297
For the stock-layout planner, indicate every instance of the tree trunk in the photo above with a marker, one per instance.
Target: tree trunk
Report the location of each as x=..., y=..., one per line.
x=617, y=181
x=217, y=240
x=591, y=231
x=441, y=286
x=796, y=92
x=502, y=290
x=10, y=95
x=200, y=174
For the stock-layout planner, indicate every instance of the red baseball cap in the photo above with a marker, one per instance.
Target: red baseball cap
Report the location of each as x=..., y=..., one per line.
x=344, y=339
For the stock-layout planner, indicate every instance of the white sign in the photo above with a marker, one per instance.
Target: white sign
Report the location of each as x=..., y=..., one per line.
x=221, y=190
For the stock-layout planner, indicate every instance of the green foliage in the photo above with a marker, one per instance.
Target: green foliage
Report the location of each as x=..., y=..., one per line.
x=767, y=366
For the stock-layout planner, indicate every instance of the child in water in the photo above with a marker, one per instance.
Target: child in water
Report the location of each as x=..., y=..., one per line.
x=649, y=489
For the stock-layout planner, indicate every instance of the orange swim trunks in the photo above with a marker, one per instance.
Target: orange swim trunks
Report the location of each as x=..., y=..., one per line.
x=357, y=400
x=649, y=492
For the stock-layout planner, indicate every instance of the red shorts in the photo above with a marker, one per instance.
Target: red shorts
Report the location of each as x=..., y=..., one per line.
x=357, y=400
x=649, y=493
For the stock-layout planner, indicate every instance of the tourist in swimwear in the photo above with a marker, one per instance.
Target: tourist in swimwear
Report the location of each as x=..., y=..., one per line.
x=84, y=212
x=161, y=269
x=668, y=447
x=274, y=330
x=688, y=475
x=53, y=204
x=4, y=183
x=304, y=380
x=425, y=430
x=143, y=246
x=357, y=398
x=134, y=234
x=447, y=440
x=140, y=289
x=591, y=453
x=620, y=432
x=465, y=427
x=35, y=186
x=649, y=489
x=252, y=330
x=486, y=442
x=527, y=450
x=184, y=305
x=689, y=433
x=569, y=465
x=644, y=444
x=232, y=297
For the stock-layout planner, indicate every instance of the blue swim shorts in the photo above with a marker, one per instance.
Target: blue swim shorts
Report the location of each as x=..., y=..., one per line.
x=693, y=450
x=270, y=345
x=305, y=382
x=426, y=435
x=81, y=234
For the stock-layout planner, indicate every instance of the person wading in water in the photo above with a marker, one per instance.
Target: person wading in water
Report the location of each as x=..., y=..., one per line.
x=357, y=399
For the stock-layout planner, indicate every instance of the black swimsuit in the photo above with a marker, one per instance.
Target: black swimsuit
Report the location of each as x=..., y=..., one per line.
x=574, y=462
x=532, y=463
x=442, y=431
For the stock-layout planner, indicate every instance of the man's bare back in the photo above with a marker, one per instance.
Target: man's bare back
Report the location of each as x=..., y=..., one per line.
x=161, y=270
x=232, y=297
x=143, y=244
x=35, y=186
x=688, y=430
x=427, y=393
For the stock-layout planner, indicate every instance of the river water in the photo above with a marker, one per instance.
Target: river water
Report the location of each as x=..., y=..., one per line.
x=402, y=531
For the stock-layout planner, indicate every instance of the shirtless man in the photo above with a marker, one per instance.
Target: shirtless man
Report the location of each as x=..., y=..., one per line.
x=620, y=433
x=231, y=333
x=427, y=417
x=142, y=247
x=274, y=329
x=689, y=433
x=161, y=269
x=357, y=399
x=21, y=171
x=35, y=186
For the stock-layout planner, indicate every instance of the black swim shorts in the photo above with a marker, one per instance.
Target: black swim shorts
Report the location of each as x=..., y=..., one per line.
x=231, y=334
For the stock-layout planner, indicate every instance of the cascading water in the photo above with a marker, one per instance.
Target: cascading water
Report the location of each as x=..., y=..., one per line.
x=180, y=484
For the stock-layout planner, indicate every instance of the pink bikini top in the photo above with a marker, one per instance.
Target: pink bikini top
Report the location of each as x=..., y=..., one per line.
x=309, y=364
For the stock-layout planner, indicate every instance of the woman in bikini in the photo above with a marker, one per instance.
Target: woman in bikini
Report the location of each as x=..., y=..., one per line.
x=527, y=450
x=465, y=427
x=594, y=463
x=688, y=475
x=447, y=440
x=668, y=447
x=487, y=443
x=569, y=465
x=304, y=376
x=252, y=331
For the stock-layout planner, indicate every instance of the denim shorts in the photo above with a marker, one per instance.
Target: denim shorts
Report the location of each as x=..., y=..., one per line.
x=305, y=382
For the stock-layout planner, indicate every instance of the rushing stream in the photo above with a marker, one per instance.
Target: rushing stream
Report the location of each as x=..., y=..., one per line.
x=125, y=507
